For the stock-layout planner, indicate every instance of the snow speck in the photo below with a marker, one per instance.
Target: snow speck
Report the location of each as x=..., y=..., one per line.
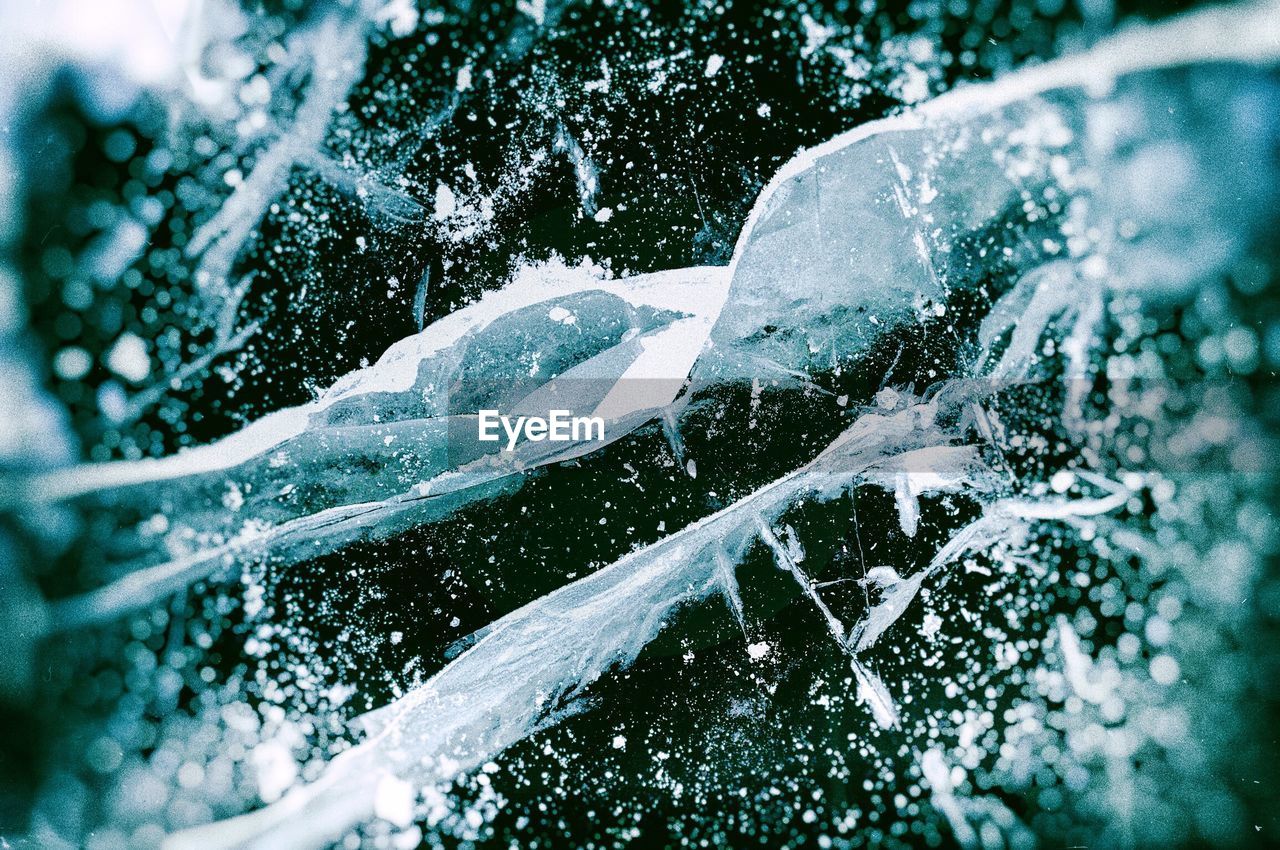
x=274, y=769
x=72, y=364
x=604, y=214
x=393, y=801
x=758, y=650
x=561, y=315
x=233, y=498
x=112, y=401
x=1164, y=669
x=535, y=9
x=619, y=742
x=1062, y=480
x=446, y=202
x=714, y=61
x=399, y=16
x=913, y=84
x=128, y=358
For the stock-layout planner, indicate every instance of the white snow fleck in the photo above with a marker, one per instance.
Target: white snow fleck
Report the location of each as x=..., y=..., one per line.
x=602, y=84
x=913, y=84
x=446, y=202
x=274, y=769
x=535, y=9
x=393, y=801
x=128, y=358
x=72, y=363
x=1164, y=669
x=400, y=16
x=1062, y=480
x=112, y=401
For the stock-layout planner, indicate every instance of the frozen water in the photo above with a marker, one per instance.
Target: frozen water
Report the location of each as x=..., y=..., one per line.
x=1030, y=592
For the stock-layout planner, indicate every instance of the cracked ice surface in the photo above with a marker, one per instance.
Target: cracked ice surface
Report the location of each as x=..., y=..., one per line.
x=935, y=511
